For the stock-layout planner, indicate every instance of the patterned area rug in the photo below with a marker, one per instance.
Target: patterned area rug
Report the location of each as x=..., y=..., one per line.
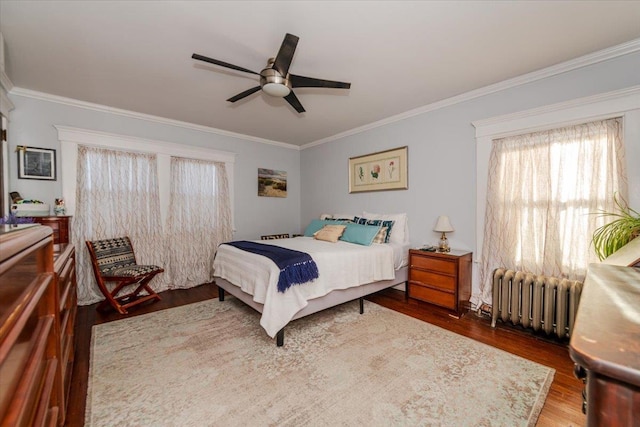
x=211, y=364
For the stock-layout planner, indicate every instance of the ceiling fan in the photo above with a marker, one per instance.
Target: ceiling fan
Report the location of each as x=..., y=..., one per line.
x=275, y=79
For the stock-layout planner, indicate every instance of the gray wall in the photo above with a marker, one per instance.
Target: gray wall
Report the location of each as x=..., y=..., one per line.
x=32, y=124
x=442, y=164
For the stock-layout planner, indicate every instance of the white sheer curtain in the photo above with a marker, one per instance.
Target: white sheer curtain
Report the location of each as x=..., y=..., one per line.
x=199, y=220
x=543, y=190
x=117, y=195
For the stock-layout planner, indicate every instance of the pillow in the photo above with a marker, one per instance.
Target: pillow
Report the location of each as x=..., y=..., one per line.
x=381, y=236
x=329, y=233
x=317, y=224
x=360, y=234
x=400, y=228
x=383, y=223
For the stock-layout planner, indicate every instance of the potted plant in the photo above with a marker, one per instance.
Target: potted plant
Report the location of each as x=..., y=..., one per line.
x=617, y=233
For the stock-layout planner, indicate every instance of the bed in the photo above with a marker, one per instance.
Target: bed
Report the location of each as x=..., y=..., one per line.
x=347, y=271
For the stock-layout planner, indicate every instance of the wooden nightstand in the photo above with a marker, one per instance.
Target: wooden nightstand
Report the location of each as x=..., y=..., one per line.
x=443, y=279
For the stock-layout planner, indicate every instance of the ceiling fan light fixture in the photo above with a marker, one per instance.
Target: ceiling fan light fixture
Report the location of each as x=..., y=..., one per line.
x=276, y=89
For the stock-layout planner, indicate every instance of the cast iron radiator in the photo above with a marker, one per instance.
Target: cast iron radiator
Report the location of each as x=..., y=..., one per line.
x=538, y=302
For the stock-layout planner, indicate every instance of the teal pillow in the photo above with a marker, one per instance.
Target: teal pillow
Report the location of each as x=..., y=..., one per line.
x=384, y=223
x=360, y=234
x=317, y=224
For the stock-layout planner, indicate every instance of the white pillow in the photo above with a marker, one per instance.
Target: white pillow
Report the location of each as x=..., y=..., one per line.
x=400, y=230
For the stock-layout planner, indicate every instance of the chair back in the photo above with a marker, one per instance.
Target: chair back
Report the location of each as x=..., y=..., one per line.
x=111, y=254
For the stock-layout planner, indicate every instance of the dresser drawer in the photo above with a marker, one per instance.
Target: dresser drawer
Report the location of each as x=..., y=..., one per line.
x=433, y=279
x=433, y=296
x=434, y=264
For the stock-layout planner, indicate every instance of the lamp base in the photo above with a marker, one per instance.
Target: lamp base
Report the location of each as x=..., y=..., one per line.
x=444, y=244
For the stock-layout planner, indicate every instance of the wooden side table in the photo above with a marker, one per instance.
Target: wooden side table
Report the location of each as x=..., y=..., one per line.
x=443, y=279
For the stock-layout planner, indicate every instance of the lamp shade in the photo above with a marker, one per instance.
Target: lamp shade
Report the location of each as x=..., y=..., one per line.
x=443, y=225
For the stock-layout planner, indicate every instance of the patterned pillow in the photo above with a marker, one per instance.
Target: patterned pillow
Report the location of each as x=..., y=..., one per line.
x=381, y=236
x=386, y=224
x=329, y=233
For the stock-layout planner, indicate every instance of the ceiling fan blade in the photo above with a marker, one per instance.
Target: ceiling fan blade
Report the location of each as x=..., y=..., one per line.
x=244, y=94
x=302, y=81
x=293, y=100
x=285, y=54
x=221, y=63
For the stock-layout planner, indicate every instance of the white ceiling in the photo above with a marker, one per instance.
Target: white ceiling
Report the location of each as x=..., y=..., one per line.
x=398, y=55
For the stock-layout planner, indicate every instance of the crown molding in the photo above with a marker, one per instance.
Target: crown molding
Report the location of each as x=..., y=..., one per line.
x=592, y=107
x=117, y=141
x=563, y=67
x=27, y=93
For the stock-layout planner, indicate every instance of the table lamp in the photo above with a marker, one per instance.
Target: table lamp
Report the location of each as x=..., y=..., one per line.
x=443, y=225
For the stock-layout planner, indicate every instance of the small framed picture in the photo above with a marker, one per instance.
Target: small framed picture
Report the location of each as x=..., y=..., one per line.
x=36, y=163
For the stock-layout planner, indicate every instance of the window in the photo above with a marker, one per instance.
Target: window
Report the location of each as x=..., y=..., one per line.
x=199, y=220
x=74, y=143
x=117, y=196
x=543, y=190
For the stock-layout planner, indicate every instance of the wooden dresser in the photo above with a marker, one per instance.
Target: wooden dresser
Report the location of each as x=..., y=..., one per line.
x=60, y=226
x=605, y=345
x=443, y=279
x=37, y=315
x=65, y=270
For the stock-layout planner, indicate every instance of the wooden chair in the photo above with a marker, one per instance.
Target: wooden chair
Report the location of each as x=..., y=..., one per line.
x=113, y=260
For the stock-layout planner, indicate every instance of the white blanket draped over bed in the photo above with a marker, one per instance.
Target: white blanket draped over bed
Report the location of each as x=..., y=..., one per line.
x=341, y=265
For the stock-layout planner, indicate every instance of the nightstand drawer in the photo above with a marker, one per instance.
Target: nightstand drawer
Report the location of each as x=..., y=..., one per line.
x=444, y=299
x=433, y=279
x=439, y=265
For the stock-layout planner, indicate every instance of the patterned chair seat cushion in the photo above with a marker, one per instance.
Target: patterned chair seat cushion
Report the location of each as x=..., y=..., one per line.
x=131, y=271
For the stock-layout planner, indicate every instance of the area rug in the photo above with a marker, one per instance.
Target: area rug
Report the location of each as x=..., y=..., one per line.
x=211, y=364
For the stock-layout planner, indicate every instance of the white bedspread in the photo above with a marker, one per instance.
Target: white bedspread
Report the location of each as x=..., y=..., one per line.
x=341, y=265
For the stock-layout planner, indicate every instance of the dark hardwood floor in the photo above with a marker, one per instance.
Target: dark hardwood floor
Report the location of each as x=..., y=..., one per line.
x=562, y=407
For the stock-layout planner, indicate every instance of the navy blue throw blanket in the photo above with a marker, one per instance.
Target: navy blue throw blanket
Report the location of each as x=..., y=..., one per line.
x=295, y=267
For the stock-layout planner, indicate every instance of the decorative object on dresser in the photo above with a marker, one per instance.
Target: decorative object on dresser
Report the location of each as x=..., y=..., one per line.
x=113, y=260
x=38, y=311
x=59, y=208
x=443, y=225
x=443, y=279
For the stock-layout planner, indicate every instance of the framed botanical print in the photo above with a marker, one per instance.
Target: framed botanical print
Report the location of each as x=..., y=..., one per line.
x=381, y=171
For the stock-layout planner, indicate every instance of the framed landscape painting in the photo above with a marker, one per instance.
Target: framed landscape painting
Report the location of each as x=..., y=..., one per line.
x=381, y=171
x=272, y=183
